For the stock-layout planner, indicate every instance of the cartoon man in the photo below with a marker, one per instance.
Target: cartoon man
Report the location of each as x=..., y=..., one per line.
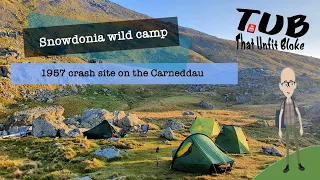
x=288, y=109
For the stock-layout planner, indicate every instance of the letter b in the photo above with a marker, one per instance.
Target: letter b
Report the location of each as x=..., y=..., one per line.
x=292, y=26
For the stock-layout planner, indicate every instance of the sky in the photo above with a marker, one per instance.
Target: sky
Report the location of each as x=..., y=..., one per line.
x=221, y=19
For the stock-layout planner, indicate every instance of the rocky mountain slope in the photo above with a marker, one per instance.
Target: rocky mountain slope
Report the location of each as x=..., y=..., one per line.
x=204, y=47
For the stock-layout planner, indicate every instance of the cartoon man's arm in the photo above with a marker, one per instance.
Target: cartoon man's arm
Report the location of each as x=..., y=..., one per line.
x=280, y=121
x=300, y=122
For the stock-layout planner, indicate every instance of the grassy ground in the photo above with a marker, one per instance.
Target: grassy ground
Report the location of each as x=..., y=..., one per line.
x=42, y=161
x=31, y=158
x=310, y=159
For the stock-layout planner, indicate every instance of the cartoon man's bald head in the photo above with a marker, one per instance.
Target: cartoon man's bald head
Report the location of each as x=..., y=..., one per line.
x=288, y=74
x=288, y=82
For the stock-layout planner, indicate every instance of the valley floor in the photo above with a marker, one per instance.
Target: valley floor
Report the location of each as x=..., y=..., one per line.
x=31, y=158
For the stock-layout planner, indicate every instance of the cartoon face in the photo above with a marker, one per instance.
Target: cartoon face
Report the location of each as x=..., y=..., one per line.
x=287, y=84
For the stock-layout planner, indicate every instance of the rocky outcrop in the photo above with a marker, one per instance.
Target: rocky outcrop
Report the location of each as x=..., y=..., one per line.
x=46, y=127
x=168, y=134
x=271, y=151
x=188, y=113
x=92, y=117
x=4, y=71
x=109, y=153
x=261, y=123
x=74, y=120
x=74, y=133
x=43, y=128
x=13, y=130
x=82, y=178
x=66, y=133
x=25, y=118
x=129, y=121
x=44, y=95
x=245, y=98
x=205, y=105
x=196, y=88
x=6, y=53
x=118, y=115
x=11, y=34
x=16, y=129
x=173, y=124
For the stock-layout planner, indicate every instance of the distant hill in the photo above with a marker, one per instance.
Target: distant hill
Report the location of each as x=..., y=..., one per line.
x=204, y=47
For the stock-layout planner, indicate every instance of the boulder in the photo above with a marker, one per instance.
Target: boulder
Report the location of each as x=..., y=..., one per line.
x=24, y=128
x=173, y=124
x=16, y=129
x=75, y=89
x=32, y=164
x=129, y=121
x=74, y=133
x=277, y=143
x=261, y=123
x=109, y=153
x=83, y=145
x=66, y=133
x=25, y=118
x=92, y=117
x=4, y=133
x=113, y=139
x=13, y=130
x=313, y=112
x=56, y=144
x=4, y=72
x=271, y=151
x=43, y=127
x=105, y=90
x=83, y=178
x=205, y=105
x=241, y=99
x=118, y=115
x=188, y=113
x=49, y=101
x=62, y=133
x=74, y=120
x=168, y=134
x=1, y=127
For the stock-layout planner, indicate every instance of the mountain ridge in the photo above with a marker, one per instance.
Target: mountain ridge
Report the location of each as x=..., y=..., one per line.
x=204, y=46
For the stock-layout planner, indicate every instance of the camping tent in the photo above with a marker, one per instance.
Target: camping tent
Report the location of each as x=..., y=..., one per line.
x=232, y=140
x=198, y=154
x=208, y=126
x=102, y=131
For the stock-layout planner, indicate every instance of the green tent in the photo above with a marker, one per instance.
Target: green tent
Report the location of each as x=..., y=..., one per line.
x=198, y=154
x=208, y=126
x=102, y=131
x=232, y=140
